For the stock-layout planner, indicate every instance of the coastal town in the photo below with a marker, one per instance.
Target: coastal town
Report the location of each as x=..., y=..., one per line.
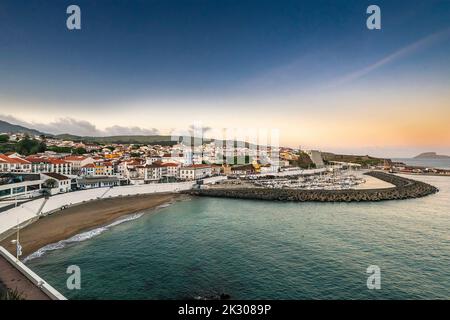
x=61, y=166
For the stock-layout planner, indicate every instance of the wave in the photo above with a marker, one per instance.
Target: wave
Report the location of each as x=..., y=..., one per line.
x=80, y=237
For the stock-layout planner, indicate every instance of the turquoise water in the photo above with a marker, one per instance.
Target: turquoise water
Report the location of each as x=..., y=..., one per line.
x=265, y=250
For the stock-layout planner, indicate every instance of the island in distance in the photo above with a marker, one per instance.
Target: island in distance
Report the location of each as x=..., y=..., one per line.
x=431, y=155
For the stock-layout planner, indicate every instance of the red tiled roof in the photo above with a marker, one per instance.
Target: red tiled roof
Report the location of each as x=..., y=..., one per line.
x=56, y=176
x=197, y=166
x=75, y=158
x=170, y=164
x=56, y=161
x=34, y=159
x=6, y=159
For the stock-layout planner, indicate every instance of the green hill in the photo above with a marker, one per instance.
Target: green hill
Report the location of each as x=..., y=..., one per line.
x=6, y=127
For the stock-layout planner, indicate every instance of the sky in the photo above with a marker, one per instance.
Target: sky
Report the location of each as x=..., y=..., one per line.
x=311, y=69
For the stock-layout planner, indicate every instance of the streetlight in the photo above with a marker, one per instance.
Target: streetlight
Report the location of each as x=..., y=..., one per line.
x=16, y=241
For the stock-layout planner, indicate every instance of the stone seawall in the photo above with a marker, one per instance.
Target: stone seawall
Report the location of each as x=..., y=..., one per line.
x=404, y=189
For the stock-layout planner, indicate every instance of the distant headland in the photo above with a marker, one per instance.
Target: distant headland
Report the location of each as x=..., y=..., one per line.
x=431, y=155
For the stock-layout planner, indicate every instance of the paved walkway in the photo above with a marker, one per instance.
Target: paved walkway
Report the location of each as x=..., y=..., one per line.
x=14, y=280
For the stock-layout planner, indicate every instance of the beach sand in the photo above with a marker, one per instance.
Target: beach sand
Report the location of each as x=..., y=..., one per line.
x=372, y=183
x=74, y=220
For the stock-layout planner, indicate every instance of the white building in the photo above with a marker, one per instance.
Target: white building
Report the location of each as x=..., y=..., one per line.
x=13, y=164
x=154, y=171
x=172, y=169
x=97, y=182
x=78, y=162
x=18, y=185
x=195, y=171
x=62, y=182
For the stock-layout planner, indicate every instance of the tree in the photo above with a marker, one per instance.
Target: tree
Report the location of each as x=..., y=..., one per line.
x=50, y=183
x=4, y=138
x=28, y=146
x=79, y=151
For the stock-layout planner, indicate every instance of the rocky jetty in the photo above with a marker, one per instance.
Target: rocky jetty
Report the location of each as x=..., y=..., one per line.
x=403, y=189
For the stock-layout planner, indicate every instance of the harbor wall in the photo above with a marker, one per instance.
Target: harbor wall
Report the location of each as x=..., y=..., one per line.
x=404, y=188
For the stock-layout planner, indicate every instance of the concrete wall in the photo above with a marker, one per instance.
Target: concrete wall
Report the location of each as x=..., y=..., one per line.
x=29, y=211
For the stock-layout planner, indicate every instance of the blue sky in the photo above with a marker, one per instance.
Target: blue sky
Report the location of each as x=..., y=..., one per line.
x=230, y=63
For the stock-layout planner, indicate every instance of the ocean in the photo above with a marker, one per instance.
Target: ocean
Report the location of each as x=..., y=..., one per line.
x=202, y=247
x=430, y=163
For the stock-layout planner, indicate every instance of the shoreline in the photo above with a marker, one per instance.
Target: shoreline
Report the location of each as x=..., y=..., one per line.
x=83, y=217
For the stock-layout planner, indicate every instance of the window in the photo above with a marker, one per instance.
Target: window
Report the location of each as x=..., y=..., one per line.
x=4, y=193
x=18, y=190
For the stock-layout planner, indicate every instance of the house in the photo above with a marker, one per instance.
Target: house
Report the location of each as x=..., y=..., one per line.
x=13, y=164
x=195, y=171
x=20, y=185
x=243, y=169
x=40, y=164
x=108, y=168
x=97, y=182
x=173, y=169
x=92, y=147
x=62, y=183
x=78, y=162
x=60, y=166
x=154, y=171
x=216, y=169
x=88, y=170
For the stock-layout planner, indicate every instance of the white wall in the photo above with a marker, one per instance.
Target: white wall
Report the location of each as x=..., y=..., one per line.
x=29, y=210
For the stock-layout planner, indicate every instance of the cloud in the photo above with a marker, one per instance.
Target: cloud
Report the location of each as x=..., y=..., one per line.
x=123, y=131
x=79, y=127
x=405, y=51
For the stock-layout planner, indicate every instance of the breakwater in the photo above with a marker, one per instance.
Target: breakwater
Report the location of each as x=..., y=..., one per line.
x=404, y=188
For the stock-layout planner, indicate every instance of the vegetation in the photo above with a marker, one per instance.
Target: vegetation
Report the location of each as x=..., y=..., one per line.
x=28, y=146
x=9, y=294
x=79, y=151
x=8, y=127
x=303, y=161
x=50, y=183
x=7, y=147
x=67, y=150
x=142, y=140
x=135, y=154
x=59, y=149
x=4, y=138
x=365, y=161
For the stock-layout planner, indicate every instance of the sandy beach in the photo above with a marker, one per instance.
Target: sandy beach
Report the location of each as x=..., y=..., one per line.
x=69, y=222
